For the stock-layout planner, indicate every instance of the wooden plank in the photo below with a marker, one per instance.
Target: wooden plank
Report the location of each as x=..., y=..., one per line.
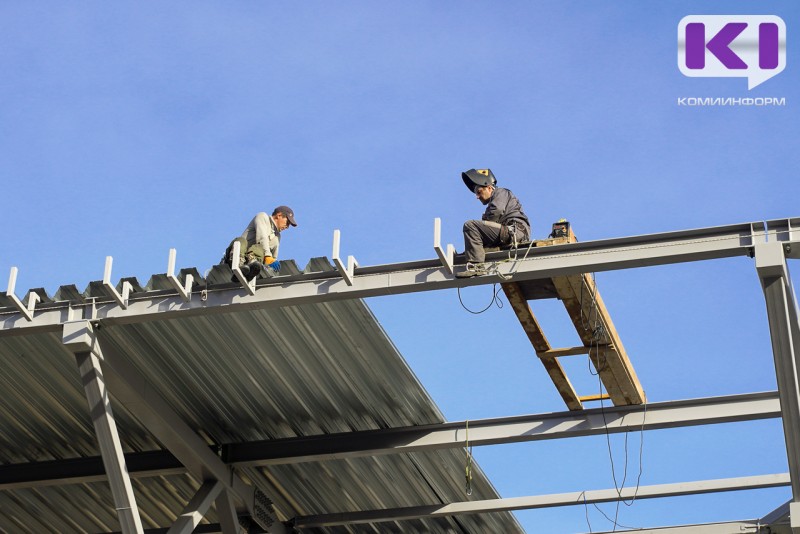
x=537, y=338
x=558, y=353
x=595, y=397
x=594, y=326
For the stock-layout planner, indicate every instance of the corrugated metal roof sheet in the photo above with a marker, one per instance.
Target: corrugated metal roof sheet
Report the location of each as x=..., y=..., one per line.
x=235, y=377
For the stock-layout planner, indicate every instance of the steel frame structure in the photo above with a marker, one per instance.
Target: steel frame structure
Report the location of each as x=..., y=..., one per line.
x=770, y=243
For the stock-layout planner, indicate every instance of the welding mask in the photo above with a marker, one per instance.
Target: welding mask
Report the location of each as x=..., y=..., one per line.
x=478, y=178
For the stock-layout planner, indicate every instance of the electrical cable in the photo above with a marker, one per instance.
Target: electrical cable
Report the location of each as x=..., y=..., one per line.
x=468, y=463
x=586, y=511
x=598, y=331
x=495, y=300
x=616, y=524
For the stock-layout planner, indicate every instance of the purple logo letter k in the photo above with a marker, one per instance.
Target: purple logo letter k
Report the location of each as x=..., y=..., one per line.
x=718, y=45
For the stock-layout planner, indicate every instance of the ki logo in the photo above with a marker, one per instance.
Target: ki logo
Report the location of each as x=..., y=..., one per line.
x=732, y=46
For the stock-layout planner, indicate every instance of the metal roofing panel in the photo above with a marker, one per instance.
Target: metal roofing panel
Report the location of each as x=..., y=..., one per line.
x=234, y=377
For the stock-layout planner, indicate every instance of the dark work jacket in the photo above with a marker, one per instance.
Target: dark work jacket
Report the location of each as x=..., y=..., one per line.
x=504, y=208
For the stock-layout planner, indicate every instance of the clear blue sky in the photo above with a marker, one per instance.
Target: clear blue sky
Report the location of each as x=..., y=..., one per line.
x=128, y=128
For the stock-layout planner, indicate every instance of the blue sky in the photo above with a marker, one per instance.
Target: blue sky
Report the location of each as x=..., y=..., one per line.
x=130, y=128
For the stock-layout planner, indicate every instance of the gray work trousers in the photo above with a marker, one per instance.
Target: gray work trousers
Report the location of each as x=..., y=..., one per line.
x=480, y=234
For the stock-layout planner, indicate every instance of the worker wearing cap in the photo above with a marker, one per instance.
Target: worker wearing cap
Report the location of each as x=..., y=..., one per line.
x=502, y=224
x=260, y=240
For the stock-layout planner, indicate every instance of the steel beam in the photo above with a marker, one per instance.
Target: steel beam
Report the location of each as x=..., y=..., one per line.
x=672, y=414
x=85, y=470
x=785, y=334
x=408, y=277
x=133, y=390
x=556, y=425
x=728, y=527
x=542, y=501
x=196, y=509
x=81, y=340
x=226, y=513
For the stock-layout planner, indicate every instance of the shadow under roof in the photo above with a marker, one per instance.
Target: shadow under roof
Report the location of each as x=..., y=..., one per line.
x=234, y=377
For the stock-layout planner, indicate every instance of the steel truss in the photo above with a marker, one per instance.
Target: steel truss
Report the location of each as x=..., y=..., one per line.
x=770, y=243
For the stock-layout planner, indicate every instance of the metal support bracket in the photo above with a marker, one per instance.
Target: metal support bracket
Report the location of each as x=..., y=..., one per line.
x=446, y=256
x=122, y=299
x=185, y=291
x=33, y=298
x=346, y=272
x=786, y=231
x=250, y=286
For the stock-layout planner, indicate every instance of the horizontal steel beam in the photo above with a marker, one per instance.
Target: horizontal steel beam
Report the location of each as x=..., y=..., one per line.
x=85, y=470
x=727, y=527
x=506, y=430
x=542, y=501
x=557, y=425
x=426, y=275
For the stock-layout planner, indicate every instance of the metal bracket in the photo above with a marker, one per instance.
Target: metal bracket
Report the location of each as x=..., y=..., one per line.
x=445, y=257
x=250, y=286
x=346, y=272
x=33, y=298
x=794, y=516
x=788, y=232
x=122, y=299
x=185, y=290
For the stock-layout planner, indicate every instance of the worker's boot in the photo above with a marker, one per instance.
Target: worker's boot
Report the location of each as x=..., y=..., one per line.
x=472, y=269
x=251, y=266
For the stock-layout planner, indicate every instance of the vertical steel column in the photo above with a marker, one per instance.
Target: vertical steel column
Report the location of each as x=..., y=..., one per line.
x=79, y=338
x=785, y=334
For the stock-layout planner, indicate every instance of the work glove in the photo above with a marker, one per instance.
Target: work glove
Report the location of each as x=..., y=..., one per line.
x=275, y=265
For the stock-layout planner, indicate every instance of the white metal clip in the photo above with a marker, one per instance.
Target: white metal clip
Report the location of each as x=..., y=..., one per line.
x=346, y=272
x=122, y=299
x=33, y=298
x=250, y=286
x=185, y=290
x=445, y=257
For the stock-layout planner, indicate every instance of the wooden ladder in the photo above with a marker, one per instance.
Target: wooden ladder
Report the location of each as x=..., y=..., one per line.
x=596, y=331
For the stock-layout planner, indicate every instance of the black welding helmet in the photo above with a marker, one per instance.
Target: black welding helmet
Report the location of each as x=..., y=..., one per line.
x=478, y=177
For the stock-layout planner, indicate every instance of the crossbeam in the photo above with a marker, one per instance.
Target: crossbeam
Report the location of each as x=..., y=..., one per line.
x=672, y=414
x=85, y=470
x=427, y=275
x=542, y=501
x=557, y=425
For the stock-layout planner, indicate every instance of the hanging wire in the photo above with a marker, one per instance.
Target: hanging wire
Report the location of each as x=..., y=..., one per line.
x=586, y=511
x=616, y=524
x=468, y=463
x=599, y=333
x=495, y=300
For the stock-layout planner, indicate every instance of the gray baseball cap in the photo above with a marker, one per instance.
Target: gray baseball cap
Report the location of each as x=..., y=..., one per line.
x=286, y=210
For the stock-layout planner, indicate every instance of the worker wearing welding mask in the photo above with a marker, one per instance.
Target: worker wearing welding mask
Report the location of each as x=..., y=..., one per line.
x=503, y=224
